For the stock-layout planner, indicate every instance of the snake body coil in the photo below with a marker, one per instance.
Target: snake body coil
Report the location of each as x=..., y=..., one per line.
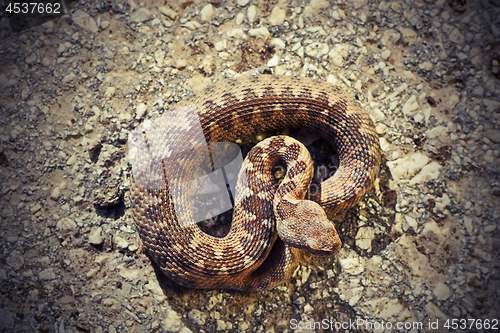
x=252, y=256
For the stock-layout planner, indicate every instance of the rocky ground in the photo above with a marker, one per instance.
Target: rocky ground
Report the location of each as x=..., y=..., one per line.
x=422, y=247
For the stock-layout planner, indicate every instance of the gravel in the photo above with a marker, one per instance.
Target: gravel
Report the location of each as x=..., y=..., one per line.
x=422, y=246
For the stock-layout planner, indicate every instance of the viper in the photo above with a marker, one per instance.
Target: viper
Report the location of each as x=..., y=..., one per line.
x=272, y=221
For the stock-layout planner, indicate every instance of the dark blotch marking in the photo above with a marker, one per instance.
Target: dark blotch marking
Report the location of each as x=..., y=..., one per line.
x=210, y=90
x=230, y=99
x=254, y=153
x=292, y=151
x=284, y=208
x=260, y=207
x=339, y=107
x=276, y=143
x=323, y=98
x=355, y=122
x=212, y=106
x=286, y=95
x=210, y=266
x=285, y=187
x=298, y=168
x=249, y=93
x=226, y=119
x=269, y=94
x=229, y=255
x=229, y=122
x=276, y=255
x=305, y=93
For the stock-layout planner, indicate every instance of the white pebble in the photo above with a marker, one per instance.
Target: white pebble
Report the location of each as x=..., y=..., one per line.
x=207, y=12
x=110, y=91
x=316, y=50
x=159, y=57
x=453, y=101
x=120, y=242
x=56, y=193
x=224, y=55
x=274, y=61
x=428, y=172
x=261, y=32
x=251, y=14
x=172, y=321
x=72, y=160
x=456, y=36
x=386, y=54
x=426, y=65
x=410, y=105
x=277, y=43
x=335, y=57
x=237, y=33
x=66, y=224
x=277, y=16
x=354, y=299
x=95, y=237
x=493, y=135
x=407, y=167
x=490, y=228
x=168, y=12
x=84, y=21
x=364, y=238
x=124, y=50
x=68, y=78
x=221, y=45
x=61, y=48
x=48, y=26
x=239, y=18
x=104, y=24
x=140, y=110
x=181, y=63
x=442, y=292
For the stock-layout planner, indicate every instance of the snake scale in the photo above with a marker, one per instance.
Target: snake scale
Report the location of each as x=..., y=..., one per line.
x=271, y=222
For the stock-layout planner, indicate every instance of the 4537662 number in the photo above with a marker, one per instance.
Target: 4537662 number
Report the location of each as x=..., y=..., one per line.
x=471, y=324
x=33, y=8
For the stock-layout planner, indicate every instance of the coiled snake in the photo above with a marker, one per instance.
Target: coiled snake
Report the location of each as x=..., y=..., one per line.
x=251, y=256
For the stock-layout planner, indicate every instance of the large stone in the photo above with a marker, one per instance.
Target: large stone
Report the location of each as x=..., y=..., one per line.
x=140, y=15
x=442, y=292
x=493, y=135
x=407, y=167
x=277, y=16
x=84, y=21
x=207, y=12
x=429, y=172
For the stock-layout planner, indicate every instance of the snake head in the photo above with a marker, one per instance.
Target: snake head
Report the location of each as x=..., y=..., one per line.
x=308, y=228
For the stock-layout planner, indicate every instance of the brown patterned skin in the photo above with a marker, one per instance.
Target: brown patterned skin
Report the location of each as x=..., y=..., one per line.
x=252, y=256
